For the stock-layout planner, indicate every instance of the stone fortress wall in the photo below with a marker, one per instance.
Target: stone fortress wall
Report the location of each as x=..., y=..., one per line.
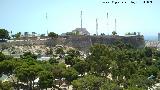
x=83, y=42
x=80, y=42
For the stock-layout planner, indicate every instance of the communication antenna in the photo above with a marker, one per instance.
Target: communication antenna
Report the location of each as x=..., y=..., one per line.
x=11, y=33
x=115, y=25
x=96, y=27
x=107, y=22
x=107, y=15
x=46, y=16
x=47, y=23
x=81, y=20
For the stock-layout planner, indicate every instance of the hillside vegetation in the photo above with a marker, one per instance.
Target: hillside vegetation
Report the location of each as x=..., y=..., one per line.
x=105, y=67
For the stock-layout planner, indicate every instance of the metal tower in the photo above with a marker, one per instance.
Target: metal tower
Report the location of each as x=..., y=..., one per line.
x=96, y=27
x=107, y=22
x=115, y=24
x=47, y=23
x=81, y=20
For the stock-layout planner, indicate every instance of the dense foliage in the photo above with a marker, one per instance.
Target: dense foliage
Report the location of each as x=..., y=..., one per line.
x=106, y=67
x=4, y=34
x=52, y=35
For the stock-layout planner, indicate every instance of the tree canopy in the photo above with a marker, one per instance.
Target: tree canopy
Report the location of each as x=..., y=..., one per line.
x=4, y=34
x=114, y=33
x=53, y=35
x=106, y=67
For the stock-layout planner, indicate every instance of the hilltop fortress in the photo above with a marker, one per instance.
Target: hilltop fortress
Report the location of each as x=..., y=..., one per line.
x=81, y=42
x=79, y=38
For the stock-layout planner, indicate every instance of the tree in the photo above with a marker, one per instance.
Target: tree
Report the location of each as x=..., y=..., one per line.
x=53, y=60
x=72, y=57
x=148, y=52
x=102, y=34
x=134, y=33
x=6, y=85
x=57, y=71
x=59, y=51
x=128, y=33
x=4, y=34
x=89, y=82
x=131, y=33
x=69, y=60
x=7, y=67
x=70, y=74
x=45, y=79
x=73, y=53
x=28, y=73
x=42, y=35
x=18, y=35
x=99, y=60
x=53, y=35
x=28, y=55
x=108, y=85
x=2, y=56
x=114, y=33
x=139, y=81
x=94, y=35
x=81, y=67
x=70, y=33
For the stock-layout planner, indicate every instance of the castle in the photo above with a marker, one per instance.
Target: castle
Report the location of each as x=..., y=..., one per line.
x=81, y=42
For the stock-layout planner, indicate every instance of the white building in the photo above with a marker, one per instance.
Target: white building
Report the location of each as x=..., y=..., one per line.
x=82, y=31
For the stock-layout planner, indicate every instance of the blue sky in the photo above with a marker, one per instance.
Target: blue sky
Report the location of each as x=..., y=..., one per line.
x=64, y=16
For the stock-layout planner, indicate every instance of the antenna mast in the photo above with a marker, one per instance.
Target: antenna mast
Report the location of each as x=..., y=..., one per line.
x=81, y=20
x=96, y=27
x=47, y=22
x=107, y=22
x=115, y=24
